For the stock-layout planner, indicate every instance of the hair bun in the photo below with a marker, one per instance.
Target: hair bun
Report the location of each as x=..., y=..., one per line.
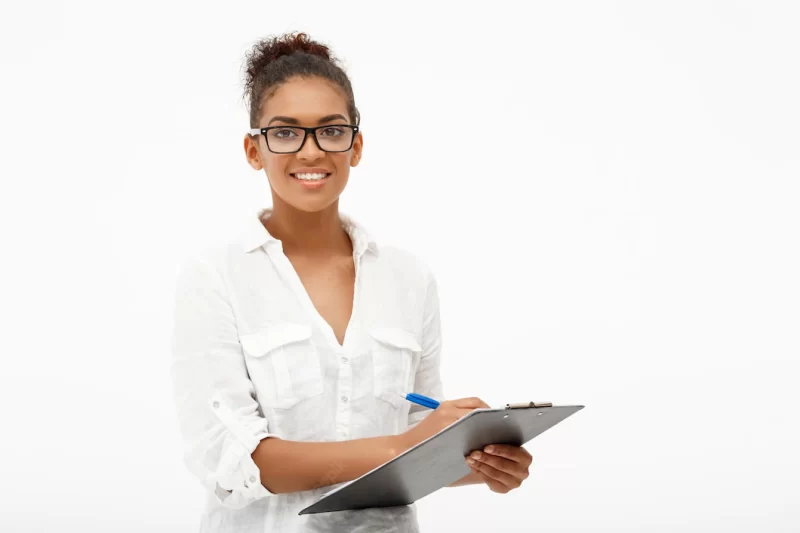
x=274, y=48
x=273, y=60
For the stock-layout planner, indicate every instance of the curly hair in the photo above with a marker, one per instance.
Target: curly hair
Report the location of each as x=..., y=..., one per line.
x=274, y=60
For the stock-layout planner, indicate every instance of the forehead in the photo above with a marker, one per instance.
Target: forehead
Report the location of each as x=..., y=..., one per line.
x=306, y=99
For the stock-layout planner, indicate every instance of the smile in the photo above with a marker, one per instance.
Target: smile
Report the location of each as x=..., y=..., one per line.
x=316, y=176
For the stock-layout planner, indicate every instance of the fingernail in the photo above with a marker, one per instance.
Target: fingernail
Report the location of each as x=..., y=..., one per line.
x=470, y=461
x=489, y=449
x=476, y=455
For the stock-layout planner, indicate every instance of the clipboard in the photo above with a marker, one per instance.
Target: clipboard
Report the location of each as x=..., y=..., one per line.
x=440, y=460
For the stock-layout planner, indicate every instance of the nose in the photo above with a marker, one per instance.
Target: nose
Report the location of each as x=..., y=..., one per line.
x=310, y=150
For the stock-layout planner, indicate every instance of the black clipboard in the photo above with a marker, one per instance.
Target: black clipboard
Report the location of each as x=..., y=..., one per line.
x=439, y=460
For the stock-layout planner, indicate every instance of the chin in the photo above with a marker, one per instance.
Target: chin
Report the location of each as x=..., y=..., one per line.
x=313, y=201
x=311, y=205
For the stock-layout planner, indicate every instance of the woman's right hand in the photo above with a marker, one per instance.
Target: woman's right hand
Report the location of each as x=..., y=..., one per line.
x=441, y=417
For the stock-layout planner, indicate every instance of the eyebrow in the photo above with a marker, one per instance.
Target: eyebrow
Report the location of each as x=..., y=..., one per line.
x=323, y=120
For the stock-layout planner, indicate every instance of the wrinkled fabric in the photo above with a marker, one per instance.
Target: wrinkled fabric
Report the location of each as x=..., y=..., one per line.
x=253, y=358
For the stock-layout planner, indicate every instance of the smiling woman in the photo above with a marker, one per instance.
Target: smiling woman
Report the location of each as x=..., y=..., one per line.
x=293, y=110
x=296, y=91
x=295, y=343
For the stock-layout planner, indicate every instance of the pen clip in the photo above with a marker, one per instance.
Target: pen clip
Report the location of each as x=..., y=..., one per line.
x=526, y=405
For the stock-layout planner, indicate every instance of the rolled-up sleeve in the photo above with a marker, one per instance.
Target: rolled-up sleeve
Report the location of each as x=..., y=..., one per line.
x=219, y=418
x=427, y=380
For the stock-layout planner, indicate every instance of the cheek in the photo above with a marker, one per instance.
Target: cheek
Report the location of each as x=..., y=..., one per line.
x=342, y=162
x=276, y=167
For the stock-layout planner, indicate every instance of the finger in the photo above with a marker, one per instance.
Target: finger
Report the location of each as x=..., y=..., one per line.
x=494, y=486
x=497, y=476
x=470, y=403
x=513, y=453
x=501, y=464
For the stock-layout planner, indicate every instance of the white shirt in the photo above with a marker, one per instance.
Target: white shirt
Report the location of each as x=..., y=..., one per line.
x=252, y=357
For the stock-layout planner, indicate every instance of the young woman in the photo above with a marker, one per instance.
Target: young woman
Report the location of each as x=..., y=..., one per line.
x=294, y=343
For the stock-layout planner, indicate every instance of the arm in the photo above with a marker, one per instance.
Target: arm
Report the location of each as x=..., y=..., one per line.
x=218, y=416
x=227, y=443
x=428, y=378
x=290, y=466
x=502, y=468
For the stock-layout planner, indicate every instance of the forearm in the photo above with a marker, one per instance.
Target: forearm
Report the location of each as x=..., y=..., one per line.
x=291, y=466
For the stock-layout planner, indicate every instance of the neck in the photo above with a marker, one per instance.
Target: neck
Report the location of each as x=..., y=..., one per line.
x=318, y=233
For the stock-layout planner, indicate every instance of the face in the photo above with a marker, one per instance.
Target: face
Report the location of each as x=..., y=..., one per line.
x=307, y=102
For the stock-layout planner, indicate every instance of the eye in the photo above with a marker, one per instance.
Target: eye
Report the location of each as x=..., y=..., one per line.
x=332, y=131
x=284, y=133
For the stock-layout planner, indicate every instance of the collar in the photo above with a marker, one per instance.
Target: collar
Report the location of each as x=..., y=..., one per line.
x=256, y=235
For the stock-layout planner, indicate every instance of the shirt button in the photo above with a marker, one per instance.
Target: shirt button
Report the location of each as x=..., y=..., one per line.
x=252, y=479
x=344, y=359
x=216, y=405
x=344, y=399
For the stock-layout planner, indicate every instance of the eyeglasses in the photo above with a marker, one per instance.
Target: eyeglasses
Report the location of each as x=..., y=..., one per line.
x=290, y=139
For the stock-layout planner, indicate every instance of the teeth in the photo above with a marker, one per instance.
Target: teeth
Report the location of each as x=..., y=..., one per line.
x=310, y=176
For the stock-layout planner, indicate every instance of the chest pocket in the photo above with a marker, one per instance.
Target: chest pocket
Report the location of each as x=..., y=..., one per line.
x=283, y=363
x=395, y=357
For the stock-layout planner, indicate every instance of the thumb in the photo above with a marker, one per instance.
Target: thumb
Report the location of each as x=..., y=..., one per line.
x=470, y=403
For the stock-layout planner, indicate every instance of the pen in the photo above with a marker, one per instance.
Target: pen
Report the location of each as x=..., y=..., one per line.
x=419, y=399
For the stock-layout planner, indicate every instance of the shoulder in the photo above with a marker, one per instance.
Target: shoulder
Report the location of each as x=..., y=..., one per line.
x=214, y=262
x=405, y=260
x=201, y=268
x=401, y=263
x=406, y=270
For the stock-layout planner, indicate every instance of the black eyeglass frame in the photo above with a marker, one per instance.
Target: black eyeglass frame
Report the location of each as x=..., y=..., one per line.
x=313, y=131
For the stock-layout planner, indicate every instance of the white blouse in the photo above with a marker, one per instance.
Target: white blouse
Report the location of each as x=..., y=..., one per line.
x=252, y=357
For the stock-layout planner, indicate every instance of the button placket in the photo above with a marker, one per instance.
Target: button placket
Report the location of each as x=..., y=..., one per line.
x=346, y=354
x=345, y=393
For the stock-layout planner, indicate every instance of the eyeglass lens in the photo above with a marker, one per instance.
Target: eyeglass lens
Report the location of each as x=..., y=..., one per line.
x=330, y=139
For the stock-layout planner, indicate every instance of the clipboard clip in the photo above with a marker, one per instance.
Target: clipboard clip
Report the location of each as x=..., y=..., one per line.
x=526, y=405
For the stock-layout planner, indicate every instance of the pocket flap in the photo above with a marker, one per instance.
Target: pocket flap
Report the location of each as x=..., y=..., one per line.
x=396, y=337
x=264, y=341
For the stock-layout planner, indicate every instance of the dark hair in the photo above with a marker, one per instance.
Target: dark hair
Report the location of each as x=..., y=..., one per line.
x=272, y=61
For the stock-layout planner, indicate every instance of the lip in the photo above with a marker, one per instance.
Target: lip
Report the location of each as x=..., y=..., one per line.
x=310, y=170
x=308, y=184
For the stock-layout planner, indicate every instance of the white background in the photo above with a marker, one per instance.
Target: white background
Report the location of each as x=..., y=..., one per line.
x=607, y=191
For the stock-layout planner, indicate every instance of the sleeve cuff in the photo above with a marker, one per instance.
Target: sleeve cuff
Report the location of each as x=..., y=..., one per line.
x=237, y=479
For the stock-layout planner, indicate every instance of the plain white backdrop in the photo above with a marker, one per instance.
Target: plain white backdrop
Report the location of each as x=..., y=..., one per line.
x=607, y=191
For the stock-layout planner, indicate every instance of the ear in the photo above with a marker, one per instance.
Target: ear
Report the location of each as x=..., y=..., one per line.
x=252, y=153
x=358, y=146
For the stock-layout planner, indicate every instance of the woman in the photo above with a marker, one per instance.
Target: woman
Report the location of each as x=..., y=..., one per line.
x=294, y=343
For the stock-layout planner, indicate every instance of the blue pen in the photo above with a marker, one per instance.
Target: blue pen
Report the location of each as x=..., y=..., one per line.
x=419, y=399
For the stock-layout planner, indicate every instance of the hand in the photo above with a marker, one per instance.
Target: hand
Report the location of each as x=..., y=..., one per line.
x=441, y=417
x=502, y=467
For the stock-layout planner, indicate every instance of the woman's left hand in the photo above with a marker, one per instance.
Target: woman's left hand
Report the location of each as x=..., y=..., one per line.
x=502, y=467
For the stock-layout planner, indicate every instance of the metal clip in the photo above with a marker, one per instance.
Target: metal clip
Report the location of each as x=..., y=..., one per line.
x=527, y=405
